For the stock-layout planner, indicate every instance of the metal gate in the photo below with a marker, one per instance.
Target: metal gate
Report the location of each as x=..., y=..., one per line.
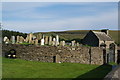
x=112, y=53
x=111, y=56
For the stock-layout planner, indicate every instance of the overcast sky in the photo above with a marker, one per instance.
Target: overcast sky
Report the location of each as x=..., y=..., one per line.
x=59, y=16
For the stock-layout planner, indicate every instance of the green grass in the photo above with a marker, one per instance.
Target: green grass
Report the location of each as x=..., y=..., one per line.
x=16, y=68
x=113, y=63
x=24, y=43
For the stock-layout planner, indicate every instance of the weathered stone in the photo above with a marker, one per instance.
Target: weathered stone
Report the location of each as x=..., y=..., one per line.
x=36, y=41
x=62, y=43
x=57, y=40
x=46, y=40
x=42, y=41
x=50, y=40
x=18, y=39
x=21, y=39
x=27, y=38
x=77, y=44
x=39, y=36
x=30, y=37
x=53, y=42
x=13, y=39
x=57, y=58
x=6, y=40
x=73, y=43
x=46, y=53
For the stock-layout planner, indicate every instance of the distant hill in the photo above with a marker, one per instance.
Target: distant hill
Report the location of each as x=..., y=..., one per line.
x=9, y=33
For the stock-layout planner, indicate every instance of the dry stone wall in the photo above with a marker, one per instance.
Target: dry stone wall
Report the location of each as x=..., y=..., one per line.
x=85, y=55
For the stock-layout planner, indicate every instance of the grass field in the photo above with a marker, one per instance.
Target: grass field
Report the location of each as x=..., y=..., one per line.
x=16, y=68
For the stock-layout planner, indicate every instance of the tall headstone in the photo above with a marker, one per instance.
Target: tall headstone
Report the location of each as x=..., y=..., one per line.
x=13, y=39
x=18, y=39
x=46, y=40
x=30, y=37
x=50, y=40
x=43, y=41
x=73, y=43
x=57, y=40
x=53, y=42
x=36, y=41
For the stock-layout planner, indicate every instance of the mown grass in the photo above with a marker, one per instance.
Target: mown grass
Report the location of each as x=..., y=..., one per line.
x=16, y=68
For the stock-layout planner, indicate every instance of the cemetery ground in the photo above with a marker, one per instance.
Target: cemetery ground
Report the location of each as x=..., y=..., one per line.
x=17, y=68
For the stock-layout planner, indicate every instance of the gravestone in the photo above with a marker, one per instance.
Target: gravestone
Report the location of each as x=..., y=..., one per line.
x=53, y=42
x=7, y=41
x=34, y=37
x=46, y=40
x=27, y=38
x=21, y=39
x=39, y=36
x=42, y=41
x=36, y=41
x=13, y=39
x=30, y=37
x=73, y=43
x=57, y=40
x=77, y=44
x=62, y=43
x=50, y=40
x=5, y=38
x=18, y=39
x=33, y=41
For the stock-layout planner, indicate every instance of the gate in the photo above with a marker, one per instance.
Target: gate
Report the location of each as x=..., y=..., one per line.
x=111, y=53
x=118, y=57
x=104, y=57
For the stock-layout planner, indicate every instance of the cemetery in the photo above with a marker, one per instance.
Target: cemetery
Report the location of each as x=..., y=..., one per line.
x=50, y=49
x=53, y=57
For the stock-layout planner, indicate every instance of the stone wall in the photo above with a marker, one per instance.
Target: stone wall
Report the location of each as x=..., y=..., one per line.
x=85, y=55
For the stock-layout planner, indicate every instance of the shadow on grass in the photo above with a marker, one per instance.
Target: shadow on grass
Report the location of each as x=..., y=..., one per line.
x=96, y=74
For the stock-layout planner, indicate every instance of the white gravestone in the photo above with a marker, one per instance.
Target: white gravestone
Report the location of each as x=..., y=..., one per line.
x=42, y=41
x=57, y=40
x=53, y=42
x=5, y=39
